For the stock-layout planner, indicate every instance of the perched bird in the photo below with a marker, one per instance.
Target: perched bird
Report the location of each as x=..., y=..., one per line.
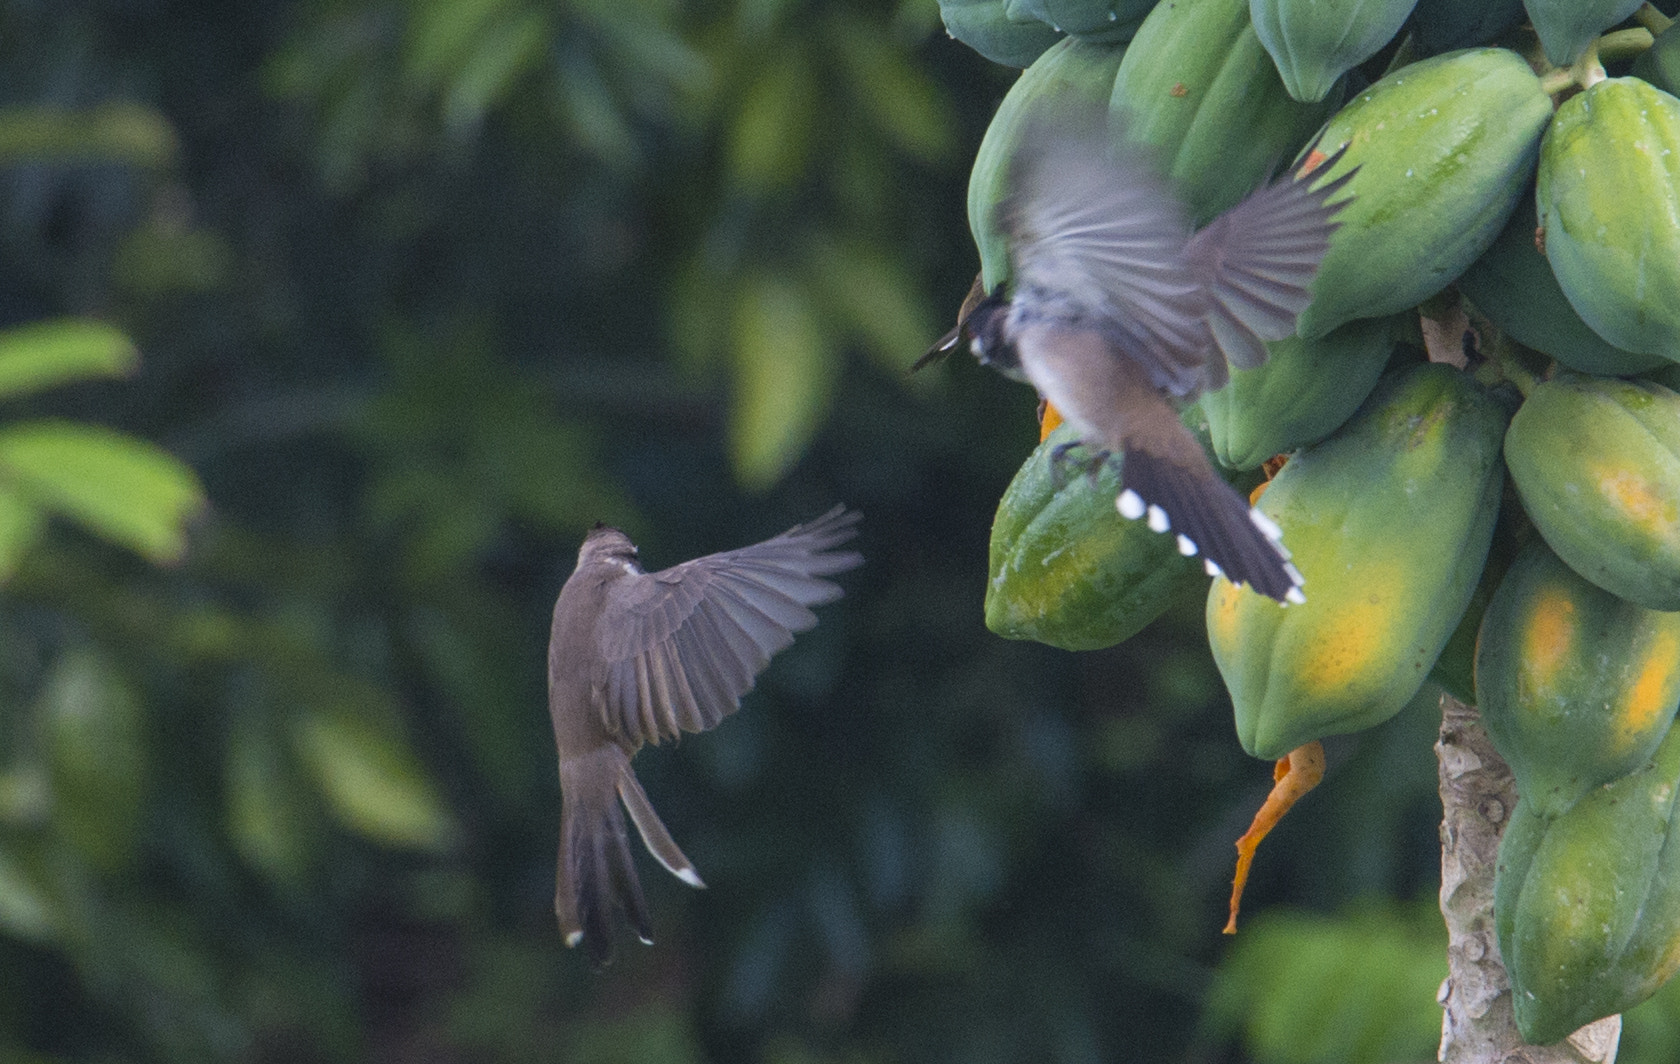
x=1119, y=309
x=637, y=657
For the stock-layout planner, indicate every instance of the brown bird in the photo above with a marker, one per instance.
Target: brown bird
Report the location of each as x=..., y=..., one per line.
x=1120, y=309
x=637, y=657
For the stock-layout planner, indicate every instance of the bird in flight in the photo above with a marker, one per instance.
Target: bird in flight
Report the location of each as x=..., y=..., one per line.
x=637, y=657
x=1119, y=310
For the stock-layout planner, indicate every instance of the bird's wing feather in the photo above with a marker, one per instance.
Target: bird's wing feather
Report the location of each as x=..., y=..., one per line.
x=682, y=645
x=1102, y=230
x=1257, y=261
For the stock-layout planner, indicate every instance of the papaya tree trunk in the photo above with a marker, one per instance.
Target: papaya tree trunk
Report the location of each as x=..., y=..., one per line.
x=1477, y=796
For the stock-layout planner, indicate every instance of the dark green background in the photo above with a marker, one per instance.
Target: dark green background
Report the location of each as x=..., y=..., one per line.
x=423, y=289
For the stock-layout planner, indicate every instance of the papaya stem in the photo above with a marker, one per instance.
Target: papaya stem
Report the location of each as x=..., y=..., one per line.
x=1512, y=369
x=1587, y=70
x=1652, y=19
x=1623, y=44
x=1557, y=80
x=1293, y=777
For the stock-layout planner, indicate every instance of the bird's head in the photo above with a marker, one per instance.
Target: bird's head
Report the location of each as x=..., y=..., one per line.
x=988, y=338
x=607, y=545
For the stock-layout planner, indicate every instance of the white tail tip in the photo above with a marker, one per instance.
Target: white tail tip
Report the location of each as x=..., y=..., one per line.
x=1266, y=525
x=1130, y=504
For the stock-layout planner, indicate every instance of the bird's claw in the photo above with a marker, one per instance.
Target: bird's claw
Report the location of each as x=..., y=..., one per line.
x=1091, y=466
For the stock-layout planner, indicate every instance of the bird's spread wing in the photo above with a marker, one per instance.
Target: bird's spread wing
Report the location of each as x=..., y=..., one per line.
x=1098, y=230
x=685, y=643
x=1258, y=259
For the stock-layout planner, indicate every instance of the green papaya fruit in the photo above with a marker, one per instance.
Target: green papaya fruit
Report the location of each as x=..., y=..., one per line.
x=1443, y=25
x=1609, y=199
x=1455, y=669
x=1073, y=74
x=1513, y=284
x=1660, y=63
x=1066, y=569
x=1390, y=521
x=1667, y=375
x=1566, y=27
x=1198, y=87
x=1304, y=391
x=1444, y=148
x=1576, y=686
x=1098, y=21
x=1587, y=904
x=987, y=27
x=1596, y=461
x=1315, y=42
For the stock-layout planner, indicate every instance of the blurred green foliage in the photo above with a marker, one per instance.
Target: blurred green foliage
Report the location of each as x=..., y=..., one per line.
x=421, y=289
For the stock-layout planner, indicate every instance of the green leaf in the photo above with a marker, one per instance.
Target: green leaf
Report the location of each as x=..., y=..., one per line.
x=113, y=132
x=125, y=489
x=770, y=138
x=501, y=55
x=442, y=33
x=92, y=720
x=268, y=814
x=49, y=353
x=1349, y=989
x=370, y=776
x=873, y=293
x=27, y=910
x=163, y=258
x=785, y=369
x=20, y=526
x=900, y=99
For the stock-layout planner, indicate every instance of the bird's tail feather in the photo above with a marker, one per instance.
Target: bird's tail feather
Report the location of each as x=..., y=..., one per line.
x=596, y=872
x=1209, y=518
x=652, y=829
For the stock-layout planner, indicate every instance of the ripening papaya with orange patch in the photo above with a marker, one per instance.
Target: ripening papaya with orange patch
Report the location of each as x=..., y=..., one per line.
x=1596, y=461
x=1385, y=586
x=1576, y=686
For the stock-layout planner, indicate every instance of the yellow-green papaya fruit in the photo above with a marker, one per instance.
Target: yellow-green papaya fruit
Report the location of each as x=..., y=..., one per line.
x=1304, y=391
x=1660, y=63
x=1198, y=87
x=1566, y=27
x=1609, y=199
x=1073, y=74
x=1444, y=147
x=1065, y=568
x=1576, y=686
x=1314, y=42
x=1389, y=521
x=1513, y=284
x=1455, y=669
x=1596, y=461
x=1587, y=904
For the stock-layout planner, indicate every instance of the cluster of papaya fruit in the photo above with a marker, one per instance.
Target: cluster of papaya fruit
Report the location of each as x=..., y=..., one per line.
x=1502, y=297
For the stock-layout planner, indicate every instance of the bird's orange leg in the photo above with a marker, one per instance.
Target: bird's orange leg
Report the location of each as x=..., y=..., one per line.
x=1294, y=776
